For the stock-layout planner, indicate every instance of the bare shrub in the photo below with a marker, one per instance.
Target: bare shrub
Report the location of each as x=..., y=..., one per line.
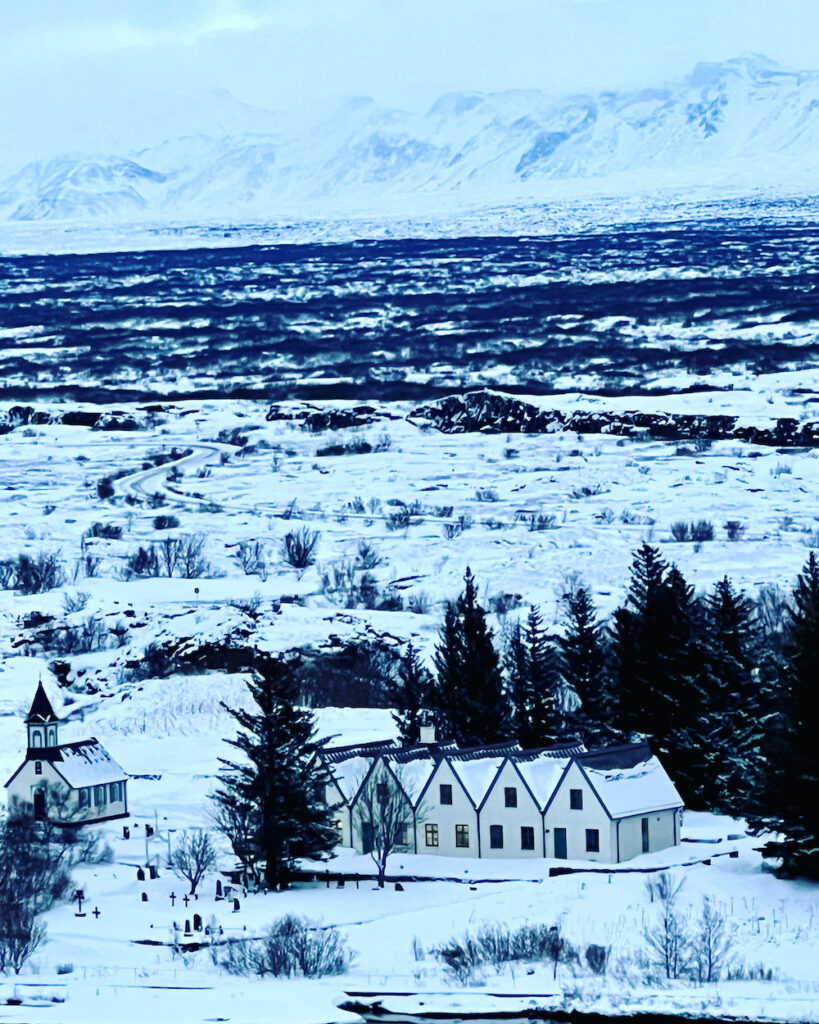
x=713, y=944
x=192, y=562
x=418, y=603
x=292, y=947
x=299, y=548
x=105, y=489
x=734, y=529
x=251, y=557
x=668, y=936
x=75, y=602
x=486, y=494
x=702, y=530
x=681, y=531
x=142, y=564
x=107, y=531
x=37, y=574
x=399, y=520
x=368, y=556
x=543, y=521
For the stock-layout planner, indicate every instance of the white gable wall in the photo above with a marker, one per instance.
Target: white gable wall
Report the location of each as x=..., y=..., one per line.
x=495, y=812
x=663, y=831
x=560, y=814
x=445, y=816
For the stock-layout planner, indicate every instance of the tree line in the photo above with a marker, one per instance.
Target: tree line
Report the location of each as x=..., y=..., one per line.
x=722, y=685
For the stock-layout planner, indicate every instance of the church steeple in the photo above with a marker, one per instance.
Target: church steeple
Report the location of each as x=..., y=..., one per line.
x=42, y=725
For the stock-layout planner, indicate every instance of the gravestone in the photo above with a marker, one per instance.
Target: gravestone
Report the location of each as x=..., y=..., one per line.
x=235, y=906
x=197, y=922
x=126, y=832
x=218, y=888
x=399, y=887
x=188, y=931
x=153, y=871
x=145, y=897
x=149, y=830
x=140, y=875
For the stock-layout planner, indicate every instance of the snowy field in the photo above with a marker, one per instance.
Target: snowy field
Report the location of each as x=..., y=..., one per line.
x=471, y=498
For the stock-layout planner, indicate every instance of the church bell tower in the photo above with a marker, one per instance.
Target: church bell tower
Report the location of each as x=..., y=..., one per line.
x=42, y=726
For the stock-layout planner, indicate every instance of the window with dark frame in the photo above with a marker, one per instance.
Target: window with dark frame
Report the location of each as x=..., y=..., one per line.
x=592, y=840
x=462, y=836
x=496, y=837
x=381, y=792
x=576, y=799
x=99, y=795
x=402, y=835
x=527, y=837
x=510, y=796
x=644, y=828
x=446, y=793
x=85, y=797
x=431, y=835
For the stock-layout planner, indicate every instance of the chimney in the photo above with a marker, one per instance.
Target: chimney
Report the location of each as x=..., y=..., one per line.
x=428, y=734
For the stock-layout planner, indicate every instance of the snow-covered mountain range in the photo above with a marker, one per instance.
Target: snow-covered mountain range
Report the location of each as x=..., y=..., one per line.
x=745, y=123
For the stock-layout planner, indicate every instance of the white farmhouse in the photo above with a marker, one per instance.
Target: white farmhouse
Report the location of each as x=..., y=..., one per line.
x=70, y=783
x=560, y=802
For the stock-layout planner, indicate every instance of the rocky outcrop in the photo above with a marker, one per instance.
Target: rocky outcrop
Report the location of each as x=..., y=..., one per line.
x=489, y=412
x=28, y=416
x=316, y=420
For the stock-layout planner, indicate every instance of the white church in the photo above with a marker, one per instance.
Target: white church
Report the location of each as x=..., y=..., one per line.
x=561, y=802
x=69, y=783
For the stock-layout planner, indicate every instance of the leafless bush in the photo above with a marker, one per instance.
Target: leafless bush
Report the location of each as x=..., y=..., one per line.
x=734, y=529
x=32, y=574
x=299, y=548
x=681, y=531
x=252, y=558
x=292, y=947
x=541, y=522
x=89, y=635
x=368, y=556
x=486, y=494
x=75, y=602
x=248, y=605
x=418, y=603
x=107, y=531
x=702, y=530
x=399, y=520
x=142, y=564
x=713, y=945
x=668, y=936
x=597, y=957
x=163, y=522
x=461, y=525
x=192, y=563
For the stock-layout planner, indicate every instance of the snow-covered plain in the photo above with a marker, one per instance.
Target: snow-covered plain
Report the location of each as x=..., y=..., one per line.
x=606, y=495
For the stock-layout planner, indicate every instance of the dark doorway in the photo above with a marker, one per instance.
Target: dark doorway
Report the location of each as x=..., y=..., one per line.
x=367, y=837
x=560, y=843
x=40, y=804
x=646, y=844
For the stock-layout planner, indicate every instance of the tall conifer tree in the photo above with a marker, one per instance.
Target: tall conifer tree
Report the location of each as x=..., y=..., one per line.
x=409, y=695
x=584, y=671
x=467, y=694
x=279, y=781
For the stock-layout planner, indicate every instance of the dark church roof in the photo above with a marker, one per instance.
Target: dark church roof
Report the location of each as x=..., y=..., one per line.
x=41, y=709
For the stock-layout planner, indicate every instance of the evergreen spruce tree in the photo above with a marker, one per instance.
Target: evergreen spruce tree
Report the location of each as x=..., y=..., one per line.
x=732, y=725
x=532, y=683
x=280, y=781
x=794, y=774
x=584, y=671
x=467, y=694
x=409, y=695
x=658, y=655
x=545, y=725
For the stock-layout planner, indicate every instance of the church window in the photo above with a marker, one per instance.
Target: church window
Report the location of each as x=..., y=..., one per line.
x=115, y=791
x=38, y=767
x=85, y=797
x=36, y=738
x=99, y=795
x=52, y=737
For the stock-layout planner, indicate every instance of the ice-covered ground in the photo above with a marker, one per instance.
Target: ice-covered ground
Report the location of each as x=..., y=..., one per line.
x=605, y=494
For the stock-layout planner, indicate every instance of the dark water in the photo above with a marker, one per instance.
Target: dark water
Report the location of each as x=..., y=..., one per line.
x=613, y=310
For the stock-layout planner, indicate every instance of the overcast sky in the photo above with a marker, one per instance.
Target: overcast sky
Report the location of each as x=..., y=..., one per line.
x=82, y=71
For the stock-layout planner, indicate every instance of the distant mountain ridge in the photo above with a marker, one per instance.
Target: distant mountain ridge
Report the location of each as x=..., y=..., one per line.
x=746, y=121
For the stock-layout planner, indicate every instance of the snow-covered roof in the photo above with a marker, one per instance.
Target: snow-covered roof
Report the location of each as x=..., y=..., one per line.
x=542, y=776
x=640, y=789
x=477, y=775
x=87, y=763
x=414, y=775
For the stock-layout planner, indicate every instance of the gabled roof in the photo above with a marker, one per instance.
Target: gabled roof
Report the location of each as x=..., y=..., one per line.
x=88, y=763
x=629, y=780
x=41, y=709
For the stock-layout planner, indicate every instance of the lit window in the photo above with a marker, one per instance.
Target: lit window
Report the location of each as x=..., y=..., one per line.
x=462, y=836
x=431, y=834
x=592, y=840
x=576, y=799
x=527, y=837
x=38, y=767
x=510, y=796
x=446, y=793
x=496, y=837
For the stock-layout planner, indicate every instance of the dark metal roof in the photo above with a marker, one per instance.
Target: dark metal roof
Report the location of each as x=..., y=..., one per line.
x=41, y=709
x=436, y=751
x=627, y=755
